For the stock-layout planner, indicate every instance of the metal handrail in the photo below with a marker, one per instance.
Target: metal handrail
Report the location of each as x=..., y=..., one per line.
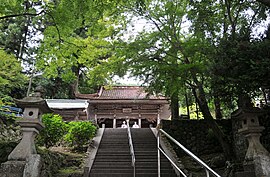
x=208, y=170
x=132, y=153
x=175, y=166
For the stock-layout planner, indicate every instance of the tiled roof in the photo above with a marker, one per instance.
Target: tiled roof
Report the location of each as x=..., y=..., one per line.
x=125, y=92
x=85, y=96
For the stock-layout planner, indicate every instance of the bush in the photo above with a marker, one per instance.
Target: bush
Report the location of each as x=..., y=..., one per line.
x=77, y=134
x=80, y=133
x=53, y=132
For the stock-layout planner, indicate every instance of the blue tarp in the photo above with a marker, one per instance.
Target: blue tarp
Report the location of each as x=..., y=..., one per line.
x=11, y=110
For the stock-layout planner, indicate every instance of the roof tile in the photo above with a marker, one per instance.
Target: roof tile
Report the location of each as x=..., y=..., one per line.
x=126, y=92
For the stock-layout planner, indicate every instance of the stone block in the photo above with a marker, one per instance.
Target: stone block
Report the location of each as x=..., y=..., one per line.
x=12, y=169
x=262, y=164
x=33, y=166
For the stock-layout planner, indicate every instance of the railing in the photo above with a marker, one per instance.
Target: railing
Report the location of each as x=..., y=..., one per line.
x=207, y=169
x=133, y=160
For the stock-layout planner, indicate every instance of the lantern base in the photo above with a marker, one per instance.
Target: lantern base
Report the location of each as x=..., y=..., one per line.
x=262, y=164
x=12, y=169
x=27, y=145
x=29, y=168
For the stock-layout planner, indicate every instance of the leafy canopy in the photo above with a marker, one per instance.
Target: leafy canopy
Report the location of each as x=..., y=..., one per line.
x=11, y=77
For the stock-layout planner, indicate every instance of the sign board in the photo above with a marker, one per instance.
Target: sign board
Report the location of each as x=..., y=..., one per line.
x=127, y=110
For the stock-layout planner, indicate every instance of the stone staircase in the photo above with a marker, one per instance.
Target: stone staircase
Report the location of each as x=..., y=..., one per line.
x=113, y=158
x=145, y=147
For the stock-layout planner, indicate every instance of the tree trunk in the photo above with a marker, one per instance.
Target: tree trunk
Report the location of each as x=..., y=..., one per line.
x=217, y=108
x=74, y=86
x=187, y=104
x=202, y=102
x=174, y=106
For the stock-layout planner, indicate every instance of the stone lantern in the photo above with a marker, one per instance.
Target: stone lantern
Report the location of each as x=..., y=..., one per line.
x=24, y=158
x=257, y=157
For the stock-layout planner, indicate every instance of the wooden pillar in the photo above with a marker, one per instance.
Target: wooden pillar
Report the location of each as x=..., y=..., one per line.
x=158, y=117
x=96, y=116
x=114, y=117
x=140, y=117
x=140, y=122
x=127, y=121
x=114, y=122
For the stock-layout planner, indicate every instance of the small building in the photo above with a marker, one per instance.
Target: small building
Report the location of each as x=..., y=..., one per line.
x=113, y=105
x=69, y=109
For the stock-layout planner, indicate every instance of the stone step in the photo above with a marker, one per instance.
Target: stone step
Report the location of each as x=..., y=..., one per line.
x=131, y=175
x=111, y=175
x=110, y=171
x=141, y=165
x=112, y=160
x=130, y=170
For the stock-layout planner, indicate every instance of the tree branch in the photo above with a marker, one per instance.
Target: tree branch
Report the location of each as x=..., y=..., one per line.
x=22, y=14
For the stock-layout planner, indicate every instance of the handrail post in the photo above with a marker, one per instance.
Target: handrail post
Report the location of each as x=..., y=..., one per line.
x=133, y=160
x=158, y=141
x=207, y=173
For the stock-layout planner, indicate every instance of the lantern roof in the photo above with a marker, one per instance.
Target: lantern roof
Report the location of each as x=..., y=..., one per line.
x=34, y=100
x=250, y=110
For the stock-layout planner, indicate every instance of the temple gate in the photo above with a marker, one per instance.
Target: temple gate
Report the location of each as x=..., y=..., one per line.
x=113, y=105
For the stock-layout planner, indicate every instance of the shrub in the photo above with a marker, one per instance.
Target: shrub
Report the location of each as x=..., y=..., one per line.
x=53, y=132
x=80, y=133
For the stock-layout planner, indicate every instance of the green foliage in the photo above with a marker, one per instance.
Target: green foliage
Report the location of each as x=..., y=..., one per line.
x=52, y=161
x=54, y=87
x=11, y=77
x=7, y=119
x=76, y=134
x=243, y=67
x=53, y=132
x=60, y=160
x=80, y=133
x=193, y=112
x=79, y=50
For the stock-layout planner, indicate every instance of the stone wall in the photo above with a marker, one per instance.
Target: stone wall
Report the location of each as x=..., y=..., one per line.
x=265, y=121
x=195, y=136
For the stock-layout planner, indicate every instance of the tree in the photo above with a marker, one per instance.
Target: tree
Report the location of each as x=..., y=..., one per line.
x=81, y=47
x=230, y=29
x=20, y=25
x=79, y=42
x=65, y=43
x=11, y=78
x=170, y=59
